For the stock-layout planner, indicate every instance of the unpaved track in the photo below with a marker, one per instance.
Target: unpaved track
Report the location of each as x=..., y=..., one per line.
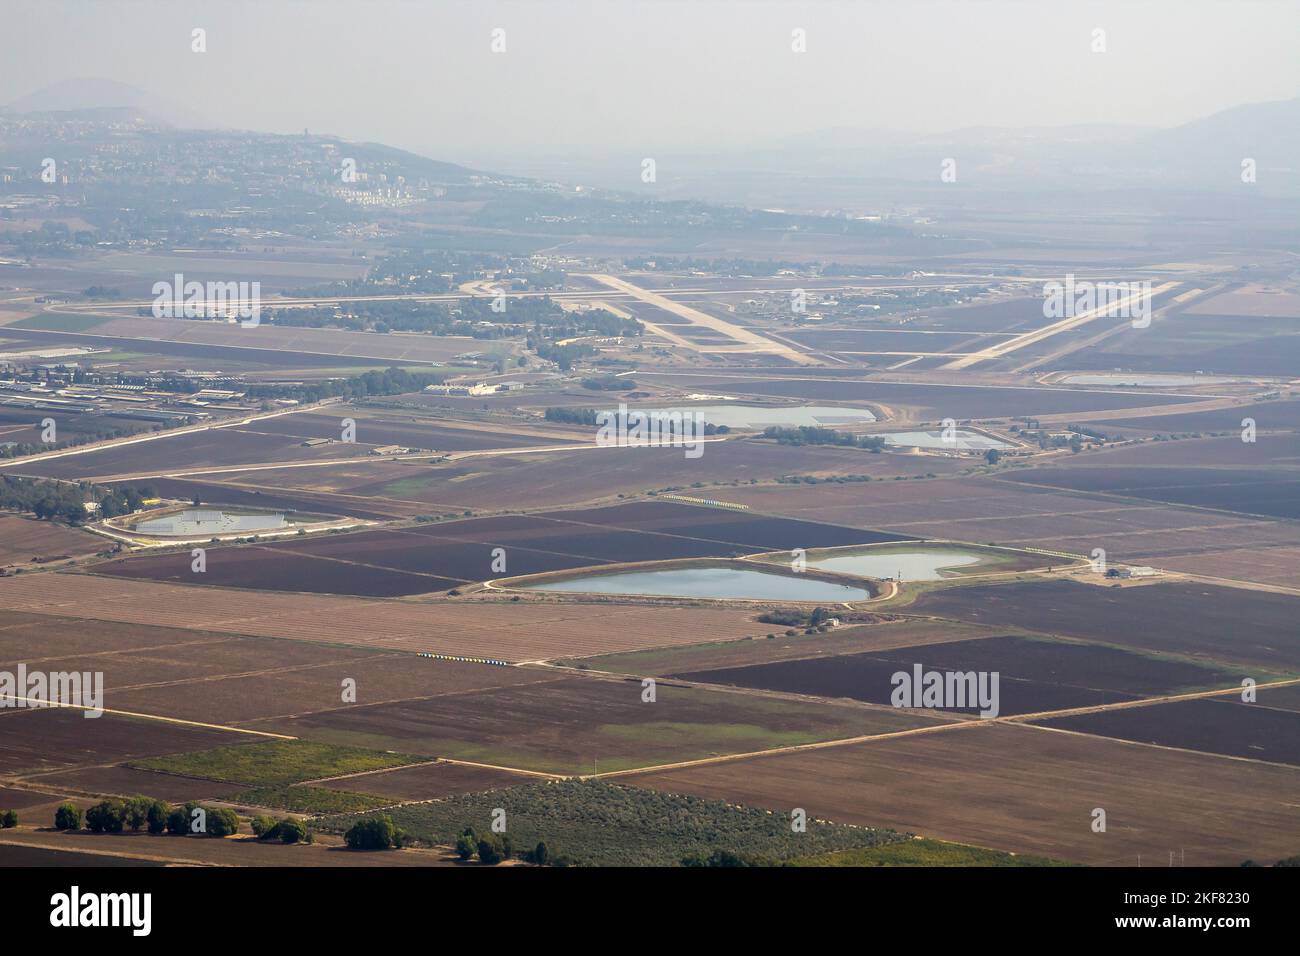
x=166, y=720
x=941, y=728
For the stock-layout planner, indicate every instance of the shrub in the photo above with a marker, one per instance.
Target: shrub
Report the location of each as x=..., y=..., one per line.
x=221, y=822
x=290, y=830
x=107, y=816
x=726, y=858
x=216, y=821
x=375, y=833
x=466, y=845
x=287, y=830
x=135, y=812
x=67, y=817
x=156, y=816
x=178, y=821
x=489, y=851
x=539, y=855
x=8, y=819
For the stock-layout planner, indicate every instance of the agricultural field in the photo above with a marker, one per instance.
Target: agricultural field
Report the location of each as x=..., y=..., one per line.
x=374, y=427
x=751, y=531
x=322, y=344
x=124, y=781
x=1010, y=315
x=24, y=540
x=34, y=740
x=209, y=448
x=275, y=763
x=1220, y=725
x=923, y=852
x=1257, y=478
x=1023, y=789
x=513, y=631
x=52, y=848
x=1021, y=514
x=1266, y=564
x=145, y=354
x=429, y=781
x=24, y=425
x=1268, y=416
x=879, y=633
x=636, y=827
x=1221, y=626
x=270, y=570
x=248, y=494
x=308, y=799
x=1191, y=341
x=227, y=679
x=565, y=478
x=1035, y=675
x=578, y=724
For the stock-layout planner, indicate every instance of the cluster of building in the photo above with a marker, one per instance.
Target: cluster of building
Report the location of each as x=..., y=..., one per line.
x=477, y=389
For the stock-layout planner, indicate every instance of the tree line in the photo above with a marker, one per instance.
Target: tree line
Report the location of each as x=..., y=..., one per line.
x=66, y=501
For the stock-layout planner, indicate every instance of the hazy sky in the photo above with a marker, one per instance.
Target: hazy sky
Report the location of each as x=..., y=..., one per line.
x=667, y=75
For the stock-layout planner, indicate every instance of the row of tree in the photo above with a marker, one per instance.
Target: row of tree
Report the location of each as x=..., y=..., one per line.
x=492, y=848
x=812, y=435
x=392, y=381
x=157, y=816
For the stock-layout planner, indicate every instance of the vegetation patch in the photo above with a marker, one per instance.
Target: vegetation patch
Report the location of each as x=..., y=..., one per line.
x=61, y=322
x=923, y=852
x=303, y=799
x=277, y=763
x=594, y=823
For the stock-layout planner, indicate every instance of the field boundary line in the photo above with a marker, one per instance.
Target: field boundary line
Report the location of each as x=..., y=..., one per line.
x=138, y=438
x=1244, y=517
x=1025, y=719
x=794, y=748
x=399, y=700
x=433, y=762
x=489, y=766
x=44, y=704
x=120, y=854
x=1142, y=702
x=1169, y=747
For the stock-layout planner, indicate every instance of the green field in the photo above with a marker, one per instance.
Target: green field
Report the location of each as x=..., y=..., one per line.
x=602, y=726
x=300, y=799
x=923, y=852
x=275, y=763
x=61, y=322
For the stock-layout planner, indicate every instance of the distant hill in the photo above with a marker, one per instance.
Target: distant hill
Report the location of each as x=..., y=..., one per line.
x=98, y=97
x=1201, y=150
x=1205, y=153
x=1182, y=167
